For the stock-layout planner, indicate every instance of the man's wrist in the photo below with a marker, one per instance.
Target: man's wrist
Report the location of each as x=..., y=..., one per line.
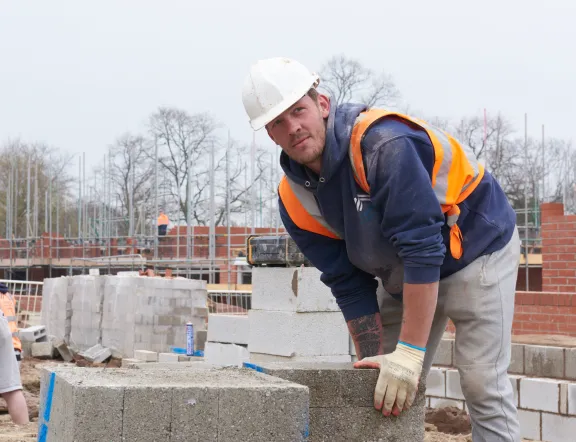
x=416, y=347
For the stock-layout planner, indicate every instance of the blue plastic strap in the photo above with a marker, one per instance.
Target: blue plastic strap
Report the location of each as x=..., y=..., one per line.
x=412, y=346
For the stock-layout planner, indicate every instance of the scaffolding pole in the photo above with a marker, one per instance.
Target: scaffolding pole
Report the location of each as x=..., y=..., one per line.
x=526, y=178
x=229, y=245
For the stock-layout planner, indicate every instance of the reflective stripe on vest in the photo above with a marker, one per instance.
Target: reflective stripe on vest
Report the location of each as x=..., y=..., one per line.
x=303, y=208
x=456, y=172
x=8, y=307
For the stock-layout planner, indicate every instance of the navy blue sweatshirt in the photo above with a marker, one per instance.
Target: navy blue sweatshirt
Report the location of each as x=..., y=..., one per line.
x=398, y=232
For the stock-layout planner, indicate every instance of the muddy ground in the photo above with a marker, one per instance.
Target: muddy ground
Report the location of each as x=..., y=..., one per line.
x=443, y=424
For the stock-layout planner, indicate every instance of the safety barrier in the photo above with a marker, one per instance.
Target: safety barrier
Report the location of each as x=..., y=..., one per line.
x=229, y=302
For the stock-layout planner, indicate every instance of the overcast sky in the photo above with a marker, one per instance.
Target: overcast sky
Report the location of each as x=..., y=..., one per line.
x=76, y=76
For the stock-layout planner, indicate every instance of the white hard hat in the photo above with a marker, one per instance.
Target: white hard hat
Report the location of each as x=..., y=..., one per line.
x=274, y=85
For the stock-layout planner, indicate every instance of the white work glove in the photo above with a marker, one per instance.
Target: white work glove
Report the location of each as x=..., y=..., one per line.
x=398, y=379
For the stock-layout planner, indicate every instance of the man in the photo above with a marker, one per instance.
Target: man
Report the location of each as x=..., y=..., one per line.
x=371, y=194
x=8, y=307
x=10, y=383
x=162, y=223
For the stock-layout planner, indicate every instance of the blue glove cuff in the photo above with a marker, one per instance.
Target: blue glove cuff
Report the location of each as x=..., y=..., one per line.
x=412, y=346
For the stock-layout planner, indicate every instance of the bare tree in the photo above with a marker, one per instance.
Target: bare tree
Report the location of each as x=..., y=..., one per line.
x=346, y=79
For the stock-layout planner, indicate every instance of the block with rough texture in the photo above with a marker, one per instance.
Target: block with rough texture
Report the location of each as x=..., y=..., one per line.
x=453, y=388
x=298, y=334
x=544, y=361
x=196, y=364
x=262, y=357
x=172, y=357
x=517, y=359
x=342, y=403
x=85, y=323
x=200, y=338
x=540, y=394
x=226, y=355
x=291, y=289
x=56, y=307
x=230, y=329
x=444, y=353
x=556, y=428
x=529, y=424
x=440, y=402
x=96, y=353
x=146, y=355
x=64, y=351
x=570, y=361
x=32, y=334
x=159, y=405
x=571, y=399
x=43, y=350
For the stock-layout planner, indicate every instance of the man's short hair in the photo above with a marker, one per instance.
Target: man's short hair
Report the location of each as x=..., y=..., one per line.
x=313, y=93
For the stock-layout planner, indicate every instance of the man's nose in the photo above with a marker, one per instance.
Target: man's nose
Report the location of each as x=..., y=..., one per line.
x=293, y=126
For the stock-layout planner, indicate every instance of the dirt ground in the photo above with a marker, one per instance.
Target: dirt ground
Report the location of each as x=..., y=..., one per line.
x=442, y=425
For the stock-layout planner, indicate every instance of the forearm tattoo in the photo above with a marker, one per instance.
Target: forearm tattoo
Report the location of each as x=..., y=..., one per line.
x=366, y=333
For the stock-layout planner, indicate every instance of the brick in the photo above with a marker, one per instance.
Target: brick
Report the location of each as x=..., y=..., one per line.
x=231, y=329
x=517, y=359
x=558, y=428
x=291, y=289
x=444, y=353
x=226, y=354
x=540, y=394
x=159, y=405
x=32, y=334
x=436, y=382
x=570, y=362
x=298, y=334
x=453, y=389
x=43, y=350
x=529, y=424
x=544, y=361
x=146, y=356
x=436, y=402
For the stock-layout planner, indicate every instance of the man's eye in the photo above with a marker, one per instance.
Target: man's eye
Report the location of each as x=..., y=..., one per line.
x=299, y=109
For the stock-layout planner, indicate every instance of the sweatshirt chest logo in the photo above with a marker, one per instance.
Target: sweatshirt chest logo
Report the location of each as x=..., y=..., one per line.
x=360, y=199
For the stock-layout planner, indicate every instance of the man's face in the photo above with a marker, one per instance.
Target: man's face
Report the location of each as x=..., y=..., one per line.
x=300, y=130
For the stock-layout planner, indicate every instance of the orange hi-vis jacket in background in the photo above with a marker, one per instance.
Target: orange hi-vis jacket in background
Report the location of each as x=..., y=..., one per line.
x=163, y=219
x=456, y=174
x=8, y=307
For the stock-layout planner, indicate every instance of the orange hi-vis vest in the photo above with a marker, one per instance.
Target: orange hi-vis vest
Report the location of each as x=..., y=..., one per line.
x=163, y=220
x=455, y=175
x=8, y=307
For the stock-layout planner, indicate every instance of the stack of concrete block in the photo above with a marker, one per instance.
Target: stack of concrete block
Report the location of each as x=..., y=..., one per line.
x=342, y=403
x=227, y=340
x=124, y=405
x=57, y=307
x=88, y=293
x=150, y=313
x=295, y=317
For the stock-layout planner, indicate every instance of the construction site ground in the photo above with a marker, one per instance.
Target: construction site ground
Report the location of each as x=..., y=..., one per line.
x=442, y=424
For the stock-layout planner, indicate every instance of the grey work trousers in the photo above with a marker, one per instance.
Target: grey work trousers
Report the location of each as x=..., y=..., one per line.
x=479, y=300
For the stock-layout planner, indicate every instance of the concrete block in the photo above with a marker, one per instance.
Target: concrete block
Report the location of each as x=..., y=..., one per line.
x=43, y=350
x=64, y=351
x=231, y=329
x=453, y=389
x=558, y=428
x=563, y=398
x=540, y=394
x=515, y=381
x=544, y=361
x=196, y=364
x=352, y=347
x=342, y=403
x=436, y=382
x=572, y=399
x=444, y=353
x=517, y=359
x=226, y=354
x=200, y=338
x=172, y=357
x=201, y=312
x=437, y=402
x=529, y=424
x=291, y=290
x=97, y=353
x=146, y=356
x=298, y=334
x=129, y=362
x=262, y=357
x=570, y=363
x=159, y=405
x=32, y=334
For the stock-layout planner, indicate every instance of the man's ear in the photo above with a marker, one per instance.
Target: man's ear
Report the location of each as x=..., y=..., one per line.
x=324, y=105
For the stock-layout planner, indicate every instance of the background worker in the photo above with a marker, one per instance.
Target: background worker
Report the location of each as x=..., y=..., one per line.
x=163, y=222
x=10, y=382
x=369, y=193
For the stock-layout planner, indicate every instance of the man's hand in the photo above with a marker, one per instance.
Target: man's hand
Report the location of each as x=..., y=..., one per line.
x=398, y=379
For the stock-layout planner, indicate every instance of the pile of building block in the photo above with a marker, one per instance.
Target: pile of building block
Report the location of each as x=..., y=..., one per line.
x=294, y=317
x=124, y=313
x=227, y=340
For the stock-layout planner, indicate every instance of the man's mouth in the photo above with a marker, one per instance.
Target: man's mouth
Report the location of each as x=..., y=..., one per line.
x=299, y=143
